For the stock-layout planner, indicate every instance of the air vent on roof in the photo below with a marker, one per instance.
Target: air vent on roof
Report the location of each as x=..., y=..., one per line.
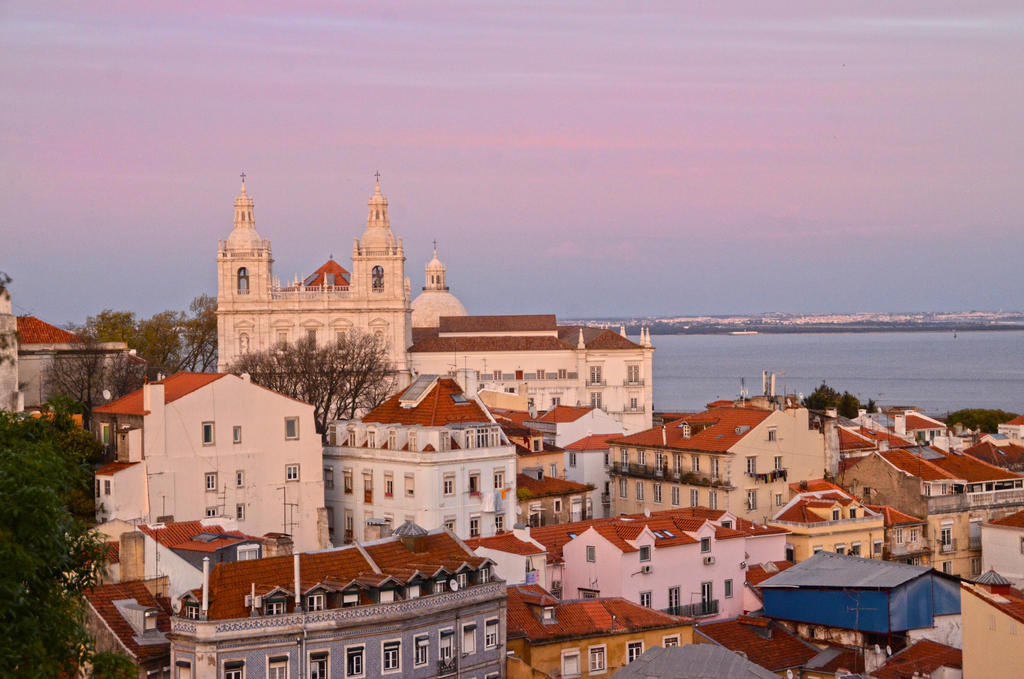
x=742, y=429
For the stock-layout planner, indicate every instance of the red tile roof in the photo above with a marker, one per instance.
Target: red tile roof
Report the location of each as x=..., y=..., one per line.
x=894, y=517
x=758, y=573
x=475, y=324
x=506, y=542
x=113, y=468
x=175, y=386
x=920, y=660
x=560, y=414
x=893, y=440
x=850, y=440
x=972, y=469
x=1012, y=521
x=1002, y=456
x=319, y=277
x=598, y=339
x=1008, y=600
x=548, y=486
x=918, y=422
x=763, y=642
x=815, y=485
x=1016, y=421
x=102, y=599
x=799, y=511
x=436, y=409
x=181, y=535
x=31, y=330
x=592, y=442
x=469, y=344
x=726, y=427
x=231, y=581
x=575, y=619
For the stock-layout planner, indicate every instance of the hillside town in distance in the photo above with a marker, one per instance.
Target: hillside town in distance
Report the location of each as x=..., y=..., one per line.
x=367, y=482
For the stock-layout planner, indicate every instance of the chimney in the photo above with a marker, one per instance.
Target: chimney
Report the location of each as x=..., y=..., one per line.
x=246, y=377
x=467, y=381
x=132, y=554
x=206, y=585
x=152, y=396
x=664, y=436
x=277, y=544
x=298, y=591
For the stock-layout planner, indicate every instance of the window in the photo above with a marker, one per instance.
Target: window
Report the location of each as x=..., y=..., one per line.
x=669, y=642
x=291, y=427
x=563, y=373
x=778, y=499
x=572, y=459
x=728, y=589
x=233, y=669
x=675, y=495
x=855, y=548
x=328, y=477
x=595, y=399
x=211, y=481
x=639, y=490
x=392, y=439
x=553, y=470
x=694, y=497
x=598, y=661
x=499, y=479
x=499, y=523
x=876, y=547
x=839, y=548
x=410, y=485
x=211, y=512
x=240, y=512
x=898, y=535
x=641, y=456
x=645, y=552
x=913, y=535
x=975, y=565
x=751, y=499
x=751, y=465
x=595, y=374
x=449, y=484
x=624, y=492
x=248, y=552
x=207, y=433
x=712, y=499
x=468, y=639
x=645, y=599
x=491, y=634
x=371, y=439
x=192, y=611
x=556, y=401
x=835, y=514
x=591, y=553
x=275, y=607
x=311, y=335
x=557, y=506
x=444, y=650
x=714, y=468
x=389, y=484
x=773, y=436
x=633, y=373
x=315, y=602
x=291, y=472
x=673, y=597
x=106, y=484
x=318, y=665
x=346, y=476
x=695, y=464
x=778, y=463
x=474, y=526
x=105, y=433
x=705, y=545
x=634, y=650
x=282, y=338
x=449, y=523
x=657, y=493
x=378, y=278
x=571, y=663
x=474, y=483
x=243, y=281
x=392, y=656
x=947, y=567
x=422, y=651
x=354, y=665
x=790, y=553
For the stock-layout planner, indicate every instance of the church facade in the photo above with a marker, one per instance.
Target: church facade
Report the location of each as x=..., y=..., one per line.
x=256, y=312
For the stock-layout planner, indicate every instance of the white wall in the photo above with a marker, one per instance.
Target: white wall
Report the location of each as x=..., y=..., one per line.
x=1001, y=551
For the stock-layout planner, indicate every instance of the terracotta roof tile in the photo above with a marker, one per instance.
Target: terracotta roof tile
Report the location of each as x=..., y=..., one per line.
x=330, y=274
x=1019, y=420
x=102, y=599
x=920, y=660
x=548, y=486
x=725, y=427
x=175, y=386
x=31, y=330
x=763, y=642
x=918, y=422
x=560, y=414
x=758, y=573
x=893, y=440
x=506, y=542
x=894, y=517
x=1001, y=456
x=598, y=339
x=574, y=619
x=436, y=409
x=851, y=440
x=113, y=468
x=1012, y=521
x=521, y=323
x=592, y=442
x=1008, y=600
x=470, y=344
x=182, y=534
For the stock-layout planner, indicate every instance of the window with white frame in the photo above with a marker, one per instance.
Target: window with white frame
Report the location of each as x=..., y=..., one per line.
x=728, y=589
x=598, y=659
x=634, y=650
x=371, y=438
x=591, y=553
x=291, y=427
x=491, y=634
x=315, y=602
x=778, y=463
x=669, y=642
x=355, y=661
x=657, y=493
x=751, y=465
x=499, y=523
x=449, y=484
x=392, y=656
x=645, y=552
x=240, y=512
x=474, y=526
x=248, y=552
x=778, y=499
x=639, y=490
x=572, y=459
x=329, y=477
x=695, y=464
x=233, y=669
x=712, y=499
x=645, y=599
x=705, y=545
x=291, y=472
x=675, y=495
x=571, y=663
x=239, y=478
x=208, y=433
x=446, y=644
x=714, y=467
x=624, y=491
x=469, y=639
x=751, y=499
x=422, y=656
x=277, y=668
x=694, y=497
x=318, y=662
x=773, y=436
x=499, y=479
x=595, y=399
x=211, y=481
x=236, y=434
x=211, y=512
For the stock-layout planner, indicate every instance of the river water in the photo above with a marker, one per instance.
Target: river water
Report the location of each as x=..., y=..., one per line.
x=934, y=371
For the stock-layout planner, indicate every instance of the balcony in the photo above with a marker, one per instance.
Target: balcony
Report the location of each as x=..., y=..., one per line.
x=945, y=504
x=447, y=666
x=974, y=542
x=769, y=477
x=664, y=473
x=368, y=497
x=633, y=383
x=348, y=535
x=606, y=498
x=702, y=609
x=947, y=547
x=597, y=383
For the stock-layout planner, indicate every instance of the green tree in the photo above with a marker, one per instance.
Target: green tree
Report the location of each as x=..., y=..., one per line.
x=848, y=405
x=980, y=418
x=49, y=556
x=824, y=396
x=110, y=326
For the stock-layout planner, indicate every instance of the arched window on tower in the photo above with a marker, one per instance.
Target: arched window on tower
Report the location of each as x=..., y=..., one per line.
x=243, y=281
x=378, y=278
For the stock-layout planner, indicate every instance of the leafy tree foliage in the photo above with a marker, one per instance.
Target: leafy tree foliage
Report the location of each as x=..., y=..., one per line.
x=49, y=556
x=980, y=418
x=339, y=380
x=846, y=404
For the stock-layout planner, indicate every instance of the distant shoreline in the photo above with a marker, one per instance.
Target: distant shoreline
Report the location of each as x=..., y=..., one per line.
x=748, y=331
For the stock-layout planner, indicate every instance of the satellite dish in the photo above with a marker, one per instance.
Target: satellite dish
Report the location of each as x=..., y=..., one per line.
x=176, y=604
x=106, y=394
x=453, y=585
x=789, y=674
x=647, y=512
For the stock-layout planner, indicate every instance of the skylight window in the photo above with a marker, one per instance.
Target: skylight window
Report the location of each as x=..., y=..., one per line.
x=668, y=534
x=572, y=535
x=459, y=399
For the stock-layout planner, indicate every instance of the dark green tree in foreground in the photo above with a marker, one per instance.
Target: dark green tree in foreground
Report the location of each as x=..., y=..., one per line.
x=846, y=404
x=980, y=418
x=48, y=556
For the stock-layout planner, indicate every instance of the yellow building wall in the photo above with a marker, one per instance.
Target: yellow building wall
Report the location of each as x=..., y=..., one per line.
x=547, y=658
x=805, y=538
x=993, y=642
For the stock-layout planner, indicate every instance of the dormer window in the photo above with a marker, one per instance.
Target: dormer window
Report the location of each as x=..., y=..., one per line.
x=412, y=592
x=387, y=596
x=149, y=620
x=485, y=575
x=192, y=611
x=243, y=281
x=371, y=439
x=549, y=614
x=276, y=607
x=645, y=553
x=349, y=599
x=835, y=514
x=705, y=545
x=315, y=602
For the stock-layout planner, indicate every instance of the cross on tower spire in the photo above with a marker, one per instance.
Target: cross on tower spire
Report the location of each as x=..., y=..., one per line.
x=377, y=175
x=243, y=177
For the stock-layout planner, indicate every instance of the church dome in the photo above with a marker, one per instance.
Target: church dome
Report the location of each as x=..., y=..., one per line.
x=430, y=305
x=378, y=235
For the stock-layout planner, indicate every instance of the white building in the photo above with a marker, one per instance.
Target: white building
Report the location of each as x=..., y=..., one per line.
x=586, y=461
x=204, y=445
x=1002, y=547
x=255, y=311
x=1014, y=429
x=550, y=364
x=430, y=454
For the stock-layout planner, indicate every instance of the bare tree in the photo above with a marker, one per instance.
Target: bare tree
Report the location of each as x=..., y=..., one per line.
x=199, y=336
x=338, y=380
x=84, y=374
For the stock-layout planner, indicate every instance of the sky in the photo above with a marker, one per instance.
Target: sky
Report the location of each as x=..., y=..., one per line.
x=583, y=158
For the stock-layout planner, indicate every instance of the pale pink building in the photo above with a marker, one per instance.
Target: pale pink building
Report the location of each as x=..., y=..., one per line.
x=688, y=561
